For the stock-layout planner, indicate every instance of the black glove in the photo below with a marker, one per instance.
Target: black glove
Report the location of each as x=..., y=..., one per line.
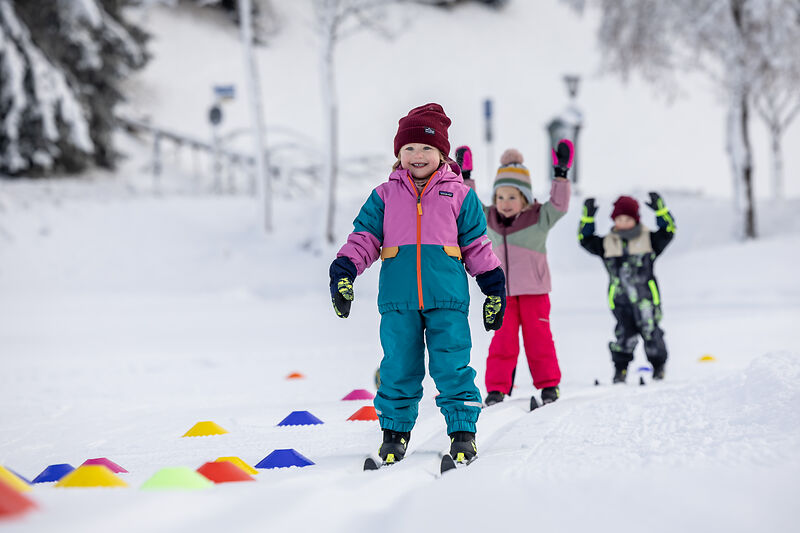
x=664, y=217
x=494, y=307
x=342, y=273
x=589, y=208
x=562, y=158
x=655, y=203
x=464, y=160
x=493, y=285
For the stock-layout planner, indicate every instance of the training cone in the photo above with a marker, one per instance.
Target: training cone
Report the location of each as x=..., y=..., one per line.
x=53, y=473
x=13, y=502
x=111, y=465
x=300, y=418
x=204, y=429
x=91, y=476
x=238, y=462
x=284, y=459
x=707, y=358
x=644, y=369
x=359, y=394
x=295, y=375
x=177, y=478
x=365, y=413
x=224, y=472
x=13, y=480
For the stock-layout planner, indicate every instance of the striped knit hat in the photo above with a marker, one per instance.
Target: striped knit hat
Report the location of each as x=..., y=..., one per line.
x=512, y=173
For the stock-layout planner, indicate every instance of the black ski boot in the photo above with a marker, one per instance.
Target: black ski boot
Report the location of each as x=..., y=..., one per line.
x=462, y=446
x=394, y=446
x=494, y=397
x=620, y=373
x=658, y=372
x=550, y=394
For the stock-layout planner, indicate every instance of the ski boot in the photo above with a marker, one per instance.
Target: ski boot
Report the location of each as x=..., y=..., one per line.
x=550, y=394
x=620, y=373
x=493, y=397
x=462, y=446
x=658, y=372
x=394, y=445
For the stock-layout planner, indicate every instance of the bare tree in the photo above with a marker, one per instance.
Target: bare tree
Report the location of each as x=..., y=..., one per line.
x=335, y=19
x=777, y=90
x=724, y=39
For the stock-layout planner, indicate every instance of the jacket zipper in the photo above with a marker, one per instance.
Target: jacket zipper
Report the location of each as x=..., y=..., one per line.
x=419, y=237
x=508, y=267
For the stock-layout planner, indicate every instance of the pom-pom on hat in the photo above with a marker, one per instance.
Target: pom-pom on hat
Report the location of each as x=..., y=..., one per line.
x=512, y=173
x=426, y=124
x=625, y=205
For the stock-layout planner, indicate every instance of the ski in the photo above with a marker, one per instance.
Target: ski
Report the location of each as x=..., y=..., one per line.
x=370, y=463
x=448, y=463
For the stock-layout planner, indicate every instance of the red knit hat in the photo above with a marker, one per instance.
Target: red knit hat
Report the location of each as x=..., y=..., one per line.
x=425, y=124
x=625, y=205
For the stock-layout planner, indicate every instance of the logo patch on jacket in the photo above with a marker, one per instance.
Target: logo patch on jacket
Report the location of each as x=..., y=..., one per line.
x=430, y=131
x=446, y=193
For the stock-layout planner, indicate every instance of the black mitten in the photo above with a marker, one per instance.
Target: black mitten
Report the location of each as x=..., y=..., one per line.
x=562, y=158
x=342, y=274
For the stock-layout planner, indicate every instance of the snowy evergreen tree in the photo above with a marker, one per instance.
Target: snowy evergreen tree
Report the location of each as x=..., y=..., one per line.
x=61, y=63
x=738, y=44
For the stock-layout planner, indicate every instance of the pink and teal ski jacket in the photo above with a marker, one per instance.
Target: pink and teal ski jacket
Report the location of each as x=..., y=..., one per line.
x=520, y=242
x=425, y=240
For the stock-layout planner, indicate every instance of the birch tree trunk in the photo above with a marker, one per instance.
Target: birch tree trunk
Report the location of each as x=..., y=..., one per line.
x=777, y=163
x=741, y=157
x=327, y=13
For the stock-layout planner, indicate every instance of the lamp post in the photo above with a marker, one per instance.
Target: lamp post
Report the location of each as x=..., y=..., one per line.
x=567, y=125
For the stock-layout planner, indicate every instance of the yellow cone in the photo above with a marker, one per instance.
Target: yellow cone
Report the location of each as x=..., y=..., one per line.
x=12, y=480
x=91, y=476
x=707, y=358
x=202, y=429
x=238, y=462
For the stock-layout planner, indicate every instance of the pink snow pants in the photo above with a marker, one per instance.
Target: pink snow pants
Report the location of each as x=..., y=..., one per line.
x=532, y=312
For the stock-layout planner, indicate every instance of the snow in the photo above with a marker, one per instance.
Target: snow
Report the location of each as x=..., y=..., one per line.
x=125, y=318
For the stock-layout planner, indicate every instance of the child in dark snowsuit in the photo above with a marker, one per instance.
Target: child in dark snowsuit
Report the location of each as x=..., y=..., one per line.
x=629, y=252
x=427, y=227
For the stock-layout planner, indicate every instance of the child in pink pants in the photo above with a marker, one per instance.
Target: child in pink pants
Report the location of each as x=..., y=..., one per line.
x=518, y=227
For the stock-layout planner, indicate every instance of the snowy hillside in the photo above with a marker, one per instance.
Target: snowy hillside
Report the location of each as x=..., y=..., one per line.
x=125, y=318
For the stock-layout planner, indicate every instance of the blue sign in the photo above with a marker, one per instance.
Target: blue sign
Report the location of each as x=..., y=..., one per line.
x=226, y=92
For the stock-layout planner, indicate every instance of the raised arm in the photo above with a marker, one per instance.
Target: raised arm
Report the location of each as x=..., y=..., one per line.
x=586, y=237
x=665, y=221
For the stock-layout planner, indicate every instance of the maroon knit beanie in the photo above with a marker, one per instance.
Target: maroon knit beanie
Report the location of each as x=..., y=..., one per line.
x=425, y=124
x=625, y=205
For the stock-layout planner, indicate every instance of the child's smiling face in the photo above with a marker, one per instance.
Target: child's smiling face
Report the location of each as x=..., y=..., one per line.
x=509, y=201
x=421, y=160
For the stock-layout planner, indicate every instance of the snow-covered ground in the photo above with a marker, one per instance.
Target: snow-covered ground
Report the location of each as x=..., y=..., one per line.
x=127, y=317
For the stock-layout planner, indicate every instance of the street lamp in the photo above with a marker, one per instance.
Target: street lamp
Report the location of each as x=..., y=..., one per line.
x=567, y=125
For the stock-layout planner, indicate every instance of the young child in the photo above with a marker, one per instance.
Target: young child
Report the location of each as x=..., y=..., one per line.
x=518, y=227
x=629, y=252
x=426, y=226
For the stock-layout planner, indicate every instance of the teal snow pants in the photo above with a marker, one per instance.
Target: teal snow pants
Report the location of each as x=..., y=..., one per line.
x=446, y=333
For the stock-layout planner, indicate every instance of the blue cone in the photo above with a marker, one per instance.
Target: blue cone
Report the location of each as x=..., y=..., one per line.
x=300, y=418
x=53, y=473
x=284, y=459
x=644, y=369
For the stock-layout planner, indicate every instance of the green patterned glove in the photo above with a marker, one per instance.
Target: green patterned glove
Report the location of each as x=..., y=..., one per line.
x=493, y=309
x=343, y=297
